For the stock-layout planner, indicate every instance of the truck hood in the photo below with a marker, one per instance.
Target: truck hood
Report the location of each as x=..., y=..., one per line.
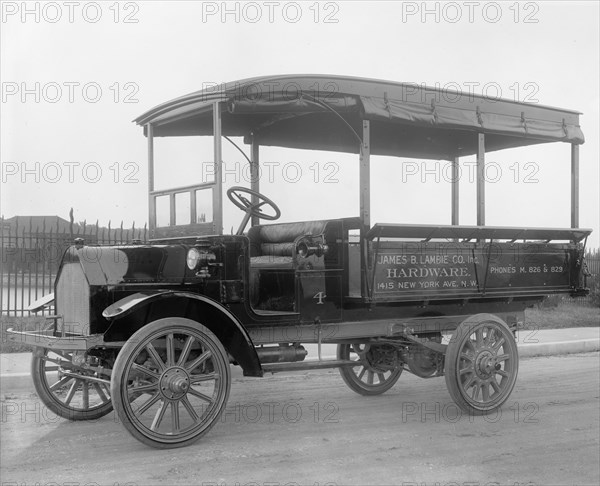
x=114, y=265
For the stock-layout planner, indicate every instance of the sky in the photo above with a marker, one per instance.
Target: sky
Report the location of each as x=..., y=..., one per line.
x=75, y=74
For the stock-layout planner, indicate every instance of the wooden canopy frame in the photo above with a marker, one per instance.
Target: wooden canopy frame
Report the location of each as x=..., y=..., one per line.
x=357, y=115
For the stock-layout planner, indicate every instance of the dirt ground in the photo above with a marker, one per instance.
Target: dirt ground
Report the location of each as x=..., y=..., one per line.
x=309, y=428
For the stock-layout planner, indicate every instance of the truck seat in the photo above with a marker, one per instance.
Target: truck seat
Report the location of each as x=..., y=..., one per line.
x=272, y=246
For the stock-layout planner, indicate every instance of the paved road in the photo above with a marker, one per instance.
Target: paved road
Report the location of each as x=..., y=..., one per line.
x=308, y=428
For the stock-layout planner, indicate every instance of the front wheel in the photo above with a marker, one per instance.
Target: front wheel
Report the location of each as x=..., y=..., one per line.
x=171, y=382
x=377, y=368
x=69, y=390
x=481, y=364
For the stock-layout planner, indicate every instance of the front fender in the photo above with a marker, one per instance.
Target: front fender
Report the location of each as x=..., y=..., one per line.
x=230, y=331
x=130, y=303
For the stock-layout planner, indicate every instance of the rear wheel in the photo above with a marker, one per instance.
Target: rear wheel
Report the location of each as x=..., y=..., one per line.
x=171, y=382
x=376, y=371
x=69, y=390
x=482, y=363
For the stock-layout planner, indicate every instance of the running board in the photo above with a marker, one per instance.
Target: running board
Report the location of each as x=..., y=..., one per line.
x=308, y=365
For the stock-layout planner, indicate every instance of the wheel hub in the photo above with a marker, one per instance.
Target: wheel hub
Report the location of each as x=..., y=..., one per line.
x=380, y=358
x=174, y=383
x=485, y=364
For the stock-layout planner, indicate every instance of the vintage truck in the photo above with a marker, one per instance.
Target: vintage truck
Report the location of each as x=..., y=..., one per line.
x=152, y=328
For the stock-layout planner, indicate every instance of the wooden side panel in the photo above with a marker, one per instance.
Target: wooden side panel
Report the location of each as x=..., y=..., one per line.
x=411, y=271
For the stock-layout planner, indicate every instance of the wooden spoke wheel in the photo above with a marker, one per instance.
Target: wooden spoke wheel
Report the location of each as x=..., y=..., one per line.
x=171, y=382
x=67, y=389
x=376, y=370
x=481, y=364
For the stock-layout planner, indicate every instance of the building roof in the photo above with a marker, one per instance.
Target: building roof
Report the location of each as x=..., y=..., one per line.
x=38, y=223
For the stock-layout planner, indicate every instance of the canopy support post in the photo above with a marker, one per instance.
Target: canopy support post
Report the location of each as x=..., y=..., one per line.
x=218, y=188
x=365, y=203
x=254, y=176
x=480, y=179
x=574, y=185
x=151, y=198
x=455, y=179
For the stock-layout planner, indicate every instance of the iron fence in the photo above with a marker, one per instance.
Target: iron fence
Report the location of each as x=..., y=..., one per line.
x=592, y=261
x=30, y=253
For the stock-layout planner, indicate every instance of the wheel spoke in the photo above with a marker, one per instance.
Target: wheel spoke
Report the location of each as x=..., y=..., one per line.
x=63, y=381
x=502, y=357
x=489, y=338
x=160, y=413
x=106, y=389
x=143, y=388
x=72, y=391
x=466, y=357
x=100, y=393
x=464, y=371
x=86, y=395
x=381, y=377
x=170, y=345
x=175, y=415
x=143, y=369
x=479, y=337
x=200, y=395
x=495, y=385
x=468, y=384
x=194, y=379
x=498, y=344
x=151, y=401
x=470, y=344
x=189, y=408
x=370, y=376
x=198, y=361
x=155, y=356
x=502, y=373
x=362, y=373
x=185, y=352
x=485, y=391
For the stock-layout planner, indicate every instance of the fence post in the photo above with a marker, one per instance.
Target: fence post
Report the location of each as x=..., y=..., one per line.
x=71, y=223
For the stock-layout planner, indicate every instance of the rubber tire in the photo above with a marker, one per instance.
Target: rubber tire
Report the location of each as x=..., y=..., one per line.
x=122, y=360
x=462, y=332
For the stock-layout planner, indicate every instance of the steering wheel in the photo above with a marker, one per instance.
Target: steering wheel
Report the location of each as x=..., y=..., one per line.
x=236, y=195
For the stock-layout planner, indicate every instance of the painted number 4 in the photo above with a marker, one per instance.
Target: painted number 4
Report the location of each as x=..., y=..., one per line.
x=320, y=296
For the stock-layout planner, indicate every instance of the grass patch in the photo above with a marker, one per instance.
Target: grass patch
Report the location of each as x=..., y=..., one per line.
x=563, y=316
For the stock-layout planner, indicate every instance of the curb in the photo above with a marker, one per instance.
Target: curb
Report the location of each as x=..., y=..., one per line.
x=11, y=383
x=560, y=347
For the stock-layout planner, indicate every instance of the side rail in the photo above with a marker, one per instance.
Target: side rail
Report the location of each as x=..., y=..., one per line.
x=408, y=268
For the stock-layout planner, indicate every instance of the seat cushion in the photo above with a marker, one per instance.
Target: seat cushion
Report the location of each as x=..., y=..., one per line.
x=277, y=249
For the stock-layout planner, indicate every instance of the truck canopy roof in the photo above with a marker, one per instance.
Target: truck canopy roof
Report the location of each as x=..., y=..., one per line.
x=323, y=112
